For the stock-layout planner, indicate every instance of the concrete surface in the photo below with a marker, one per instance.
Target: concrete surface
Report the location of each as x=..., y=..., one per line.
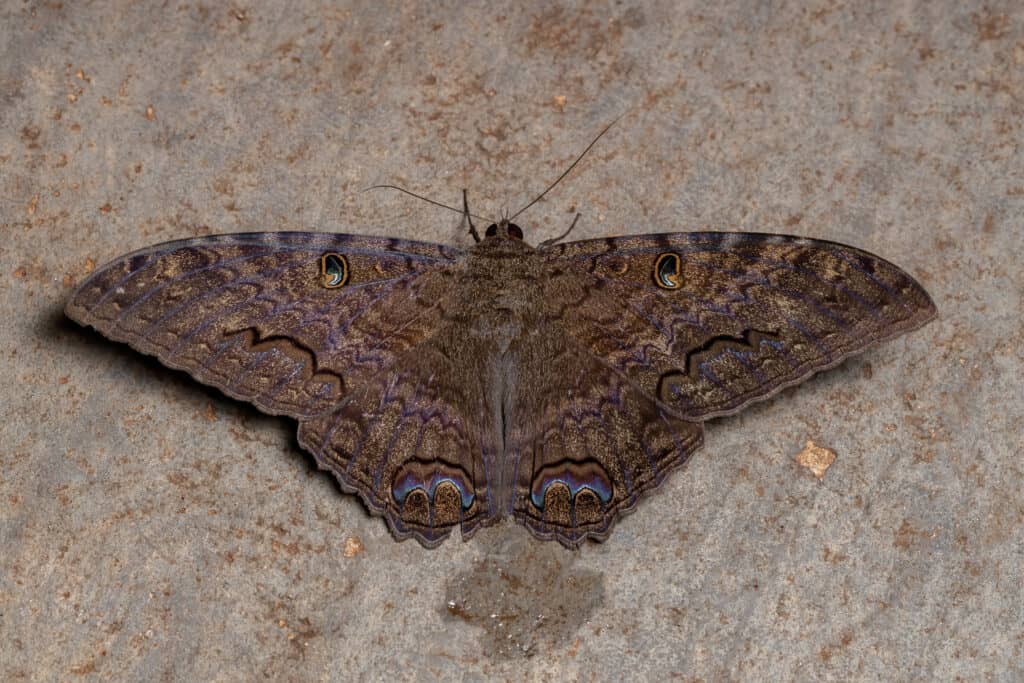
x=153, y=530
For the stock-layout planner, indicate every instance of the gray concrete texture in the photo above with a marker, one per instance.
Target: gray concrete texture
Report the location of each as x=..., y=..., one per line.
x=152, y=529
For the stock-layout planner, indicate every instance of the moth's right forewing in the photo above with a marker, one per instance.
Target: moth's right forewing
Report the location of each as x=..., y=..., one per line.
x=706, y=323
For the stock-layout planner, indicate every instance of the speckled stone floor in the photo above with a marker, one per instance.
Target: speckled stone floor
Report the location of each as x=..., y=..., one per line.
x=152, y=529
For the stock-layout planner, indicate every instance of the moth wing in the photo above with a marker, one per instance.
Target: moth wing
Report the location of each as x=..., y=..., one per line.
x=345, y=333
x=705, y=323
x=251, y=315
x=582, y=442
x=418, y=442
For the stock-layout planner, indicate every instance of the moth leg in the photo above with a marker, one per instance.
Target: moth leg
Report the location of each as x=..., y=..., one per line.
x=466, y=215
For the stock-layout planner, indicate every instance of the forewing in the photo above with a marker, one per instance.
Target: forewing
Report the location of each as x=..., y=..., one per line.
x=252, y=313
x=583, y=443
x=705, y=323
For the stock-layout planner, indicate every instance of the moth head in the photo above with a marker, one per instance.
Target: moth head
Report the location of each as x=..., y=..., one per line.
x=504, y=230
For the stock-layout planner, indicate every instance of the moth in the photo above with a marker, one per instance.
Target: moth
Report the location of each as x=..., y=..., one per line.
x=555, y=385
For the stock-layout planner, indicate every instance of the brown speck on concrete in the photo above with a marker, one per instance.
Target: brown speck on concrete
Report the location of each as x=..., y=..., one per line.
x=150, y=113
x=833, y=556
x=85, y=668
x=925, y=456
x=816, y=458
x=990, y=26
x=224, y=186
x=828, y=651
x=908, y=536
x=353, y=547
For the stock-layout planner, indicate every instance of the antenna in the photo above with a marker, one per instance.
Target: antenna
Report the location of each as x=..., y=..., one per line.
x=571, y=166
x=461, y=212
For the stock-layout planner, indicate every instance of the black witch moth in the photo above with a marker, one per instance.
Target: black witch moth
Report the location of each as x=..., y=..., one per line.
x=451, y=388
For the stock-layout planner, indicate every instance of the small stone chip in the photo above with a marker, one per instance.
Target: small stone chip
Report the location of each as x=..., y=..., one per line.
x=353, y=547
x=816, y=459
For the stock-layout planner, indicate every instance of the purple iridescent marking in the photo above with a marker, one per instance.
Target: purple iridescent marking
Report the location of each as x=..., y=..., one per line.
x=408, y=481
x=597, y=484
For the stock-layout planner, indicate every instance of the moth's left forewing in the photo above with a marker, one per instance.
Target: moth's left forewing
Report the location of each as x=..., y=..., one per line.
x=253, y=315
x=708, y=322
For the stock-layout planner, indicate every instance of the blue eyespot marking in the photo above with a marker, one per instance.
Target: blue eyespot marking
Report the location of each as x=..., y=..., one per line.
x=667, y=270
x=333, y=270
x=575, y=476
x=428, y=476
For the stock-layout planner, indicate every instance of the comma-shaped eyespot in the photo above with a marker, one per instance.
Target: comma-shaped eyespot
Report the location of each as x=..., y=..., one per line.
x=333, y=270
x=667, y=270
x=432, y=492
